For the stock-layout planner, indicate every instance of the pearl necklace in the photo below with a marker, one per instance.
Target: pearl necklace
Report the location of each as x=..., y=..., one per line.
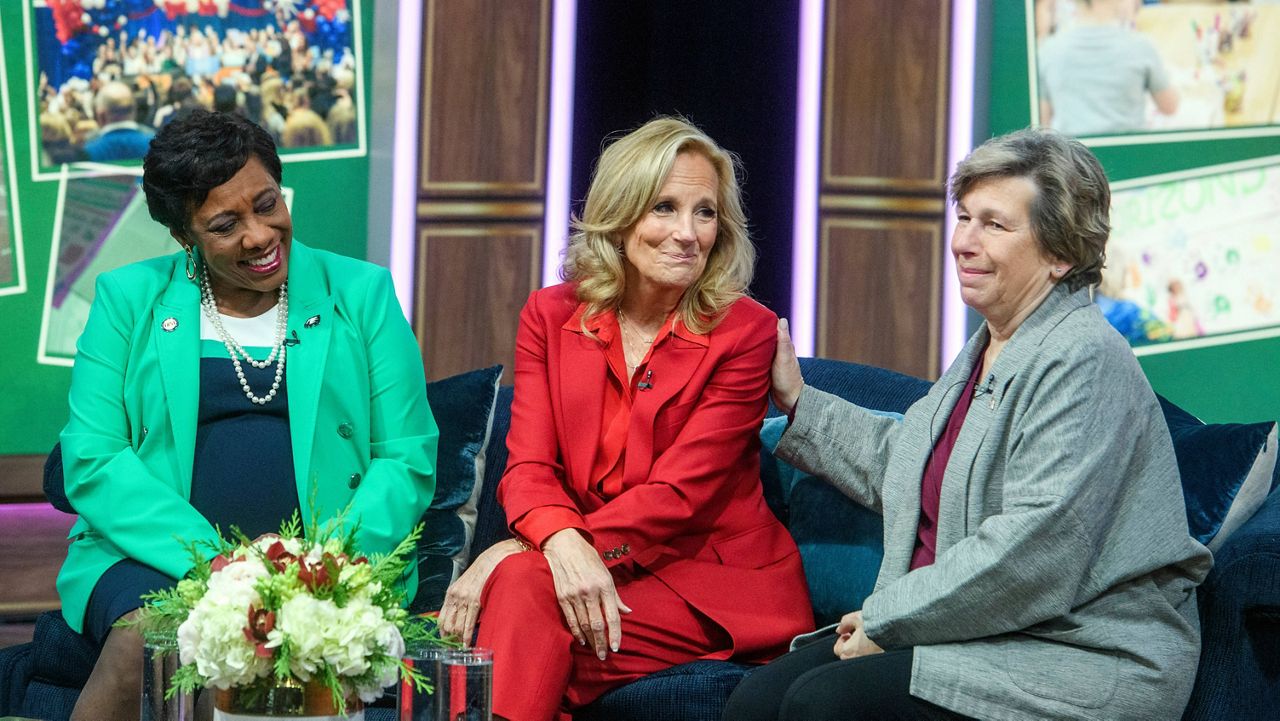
x=236, y=351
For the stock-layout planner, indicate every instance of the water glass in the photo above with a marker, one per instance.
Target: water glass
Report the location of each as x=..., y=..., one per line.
x=159, y=663
x=462, y=685
x=415, y=705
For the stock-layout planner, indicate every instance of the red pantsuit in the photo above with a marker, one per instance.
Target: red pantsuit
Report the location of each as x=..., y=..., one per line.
x=545, y=667
x=679, y=519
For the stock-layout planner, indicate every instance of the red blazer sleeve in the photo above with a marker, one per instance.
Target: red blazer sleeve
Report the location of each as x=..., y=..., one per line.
x=713, y=461
x=532, y=489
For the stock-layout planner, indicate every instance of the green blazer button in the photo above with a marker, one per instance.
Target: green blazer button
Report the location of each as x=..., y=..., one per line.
x=345, y=430
x=353, y=481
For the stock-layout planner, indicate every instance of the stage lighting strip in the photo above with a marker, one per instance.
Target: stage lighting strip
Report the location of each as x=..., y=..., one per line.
x=804, y=243
x=959, y=143
x=560, y=138
x=404, y=154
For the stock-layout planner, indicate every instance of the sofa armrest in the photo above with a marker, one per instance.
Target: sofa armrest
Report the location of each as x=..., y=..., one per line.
x=1239, y=673
x=1249, y=561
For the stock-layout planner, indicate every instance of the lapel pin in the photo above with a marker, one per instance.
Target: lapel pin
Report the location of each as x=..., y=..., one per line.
x=169, y=324
x=312, y=322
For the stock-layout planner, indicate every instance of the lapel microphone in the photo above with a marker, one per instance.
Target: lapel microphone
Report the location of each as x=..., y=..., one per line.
x=294, y=340
x=647, y=383
x=988, y=390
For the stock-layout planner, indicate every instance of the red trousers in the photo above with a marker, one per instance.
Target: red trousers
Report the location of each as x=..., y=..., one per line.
x=540, y=672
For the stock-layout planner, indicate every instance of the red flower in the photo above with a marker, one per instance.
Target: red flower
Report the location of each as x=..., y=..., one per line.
x=261, y=621
x=220, y=562
x=279, y=557
x=321, y=574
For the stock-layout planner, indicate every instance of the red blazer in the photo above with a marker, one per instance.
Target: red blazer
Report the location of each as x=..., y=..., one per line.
x=691, y=510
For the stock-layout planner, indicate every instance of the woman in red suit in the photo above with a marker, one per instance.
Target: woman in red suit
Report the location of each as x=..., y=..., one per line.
x=642, y=539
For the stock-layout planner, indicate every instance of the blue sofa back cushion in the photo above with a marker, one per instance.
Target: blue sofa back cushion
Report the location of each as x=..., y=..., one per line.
x=841, y=543
x=842, y=558
x=1227, y=470
x=463, y=406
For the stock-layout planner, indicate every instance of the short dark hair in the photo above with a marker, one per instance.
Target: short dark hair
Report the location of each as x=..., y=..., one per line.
x=180, y=90
x=225, y=99
x=1070, y=215
x=195, y=154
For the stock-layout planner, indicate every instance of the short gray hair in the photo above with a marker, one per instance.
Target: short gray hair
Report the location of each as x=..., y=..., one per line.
x=1070, y=216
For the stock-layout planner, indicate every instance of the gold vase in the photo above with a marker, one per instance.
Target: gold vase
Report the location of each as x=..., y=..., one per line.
x=273, y=698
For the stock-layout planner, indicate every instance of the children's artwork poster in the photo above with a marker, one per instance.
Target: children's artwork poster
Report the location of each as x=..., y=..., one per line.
x=1196, y=256
x=1122, y=67
x=107, y=74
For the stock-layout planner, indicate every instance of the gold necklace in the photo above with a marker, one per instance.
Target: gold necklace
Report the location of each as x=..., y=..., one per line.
x=625, y=325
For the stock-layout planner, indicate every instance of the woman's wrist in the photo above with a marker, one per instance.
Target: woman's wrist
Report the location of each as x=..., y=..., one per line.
x=795, y=403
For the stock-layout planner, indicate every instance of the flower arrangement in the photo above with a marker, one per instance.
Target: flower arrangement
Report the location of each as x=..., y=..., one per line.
x=288, y=608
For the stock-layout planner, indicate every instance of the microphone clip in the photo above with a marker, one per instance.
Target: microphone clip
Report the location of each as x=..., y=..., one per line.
x=292, y=341
x=987, y=389
x=647, y=383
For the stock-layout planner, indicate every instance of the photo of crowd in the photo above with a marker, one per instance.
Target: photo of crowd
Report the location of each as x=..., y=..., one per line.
x=112, y=72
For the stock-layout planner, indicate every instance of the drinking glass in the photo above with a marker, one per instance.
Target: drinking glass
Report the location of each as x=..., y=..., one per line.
x=415, y=705
x=462, y=685
x=159, y=663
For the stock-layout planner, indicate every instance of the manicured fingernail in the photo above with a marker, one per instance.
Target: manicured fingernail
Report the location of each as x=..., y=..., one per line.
x=614, y=646
x=600, y=653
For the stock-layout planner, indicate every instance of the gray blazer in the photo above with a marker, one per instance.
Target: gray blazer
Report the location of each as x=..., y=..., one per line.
x=1064, y=585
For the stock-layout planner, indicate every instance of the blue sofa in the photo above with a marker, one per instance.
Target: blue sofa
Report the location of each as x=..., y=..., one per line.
x=1239, y=676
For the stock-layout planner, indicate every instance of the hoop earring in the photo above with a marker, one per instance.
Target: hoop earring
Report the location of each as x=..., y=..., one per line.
x=191, y=264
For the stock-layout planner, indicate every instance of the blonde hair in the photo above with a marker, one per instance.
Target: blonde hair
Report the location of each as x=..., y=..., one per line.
x=272, y=90
x=627, y=179
x=305, y=129
x=342, y=122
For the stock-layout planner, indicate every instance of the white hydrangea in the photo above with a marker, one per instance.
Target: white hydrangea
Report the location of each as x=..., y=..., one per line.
x=303, y=621
x=345, y=638
x=213, y=638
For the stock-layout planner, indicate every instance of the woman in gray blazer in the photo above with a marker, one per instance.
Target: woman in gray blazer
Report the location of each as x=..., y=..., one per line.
x=1037, y=561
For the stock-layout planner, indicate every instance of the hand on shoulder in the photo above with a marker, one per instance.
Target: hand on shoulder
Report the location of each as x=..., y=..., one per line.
x=785, y=374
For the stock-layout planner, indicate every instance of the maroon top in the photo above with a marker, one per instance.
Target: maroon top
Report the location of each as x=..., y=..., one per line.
x=931, y=484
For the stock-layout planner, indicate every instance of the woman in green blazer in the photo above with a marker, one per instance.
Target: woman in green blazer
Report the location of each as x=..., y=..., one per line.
x=178, y=424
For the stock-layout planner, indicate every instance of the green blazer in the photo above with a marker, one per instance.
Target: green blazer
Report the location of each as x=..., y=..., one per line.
x=361, y=429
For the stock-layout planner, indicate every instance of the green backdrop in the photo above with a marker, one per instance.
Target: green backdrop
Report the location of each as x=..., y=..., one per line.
x=1239, y=382
x=330, y=211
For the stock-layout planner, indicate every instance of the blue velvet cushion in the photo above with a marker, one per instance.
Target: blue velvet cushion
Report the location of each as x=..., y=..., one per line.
x=463, y=408
x=841, y=542
x=1227, y=470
